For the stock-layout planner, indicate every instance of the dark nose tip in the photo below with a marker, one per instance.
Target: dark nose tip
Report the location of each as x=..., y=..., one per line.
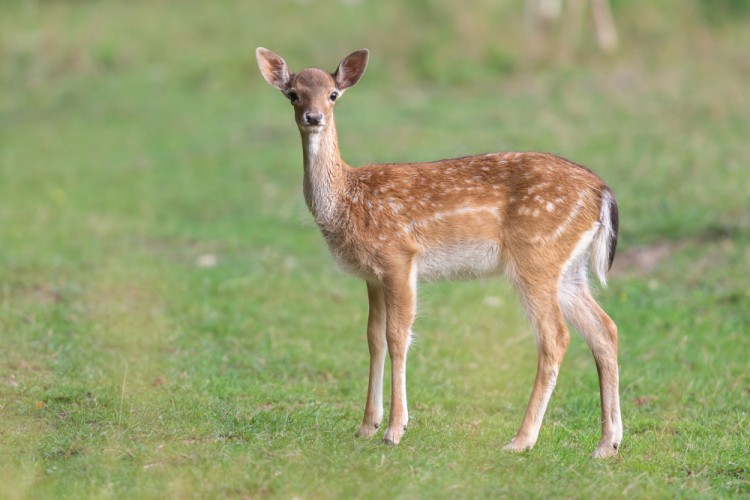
x=313, y=117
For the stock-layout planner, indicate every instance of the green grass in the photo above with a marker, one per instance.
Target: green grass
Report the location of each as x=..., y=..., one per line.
x=136, y=138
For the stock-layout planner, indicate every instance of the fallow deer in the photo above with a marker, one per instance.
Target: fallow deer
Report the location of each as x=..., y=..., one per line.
x=536, y=217
x=542, y=14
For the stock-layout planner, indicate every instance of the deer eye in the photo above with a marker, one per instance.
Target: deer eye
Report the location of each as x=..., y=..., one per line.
x=292, y=95
x=334, y=95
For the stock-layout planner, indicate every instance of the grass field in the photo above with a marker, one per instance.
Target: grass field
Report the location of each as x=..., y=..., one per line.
x=170, y=321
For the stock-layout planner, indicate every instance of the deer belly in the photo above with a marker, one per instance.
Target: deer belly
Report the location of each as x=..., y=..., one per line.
x=459, y=260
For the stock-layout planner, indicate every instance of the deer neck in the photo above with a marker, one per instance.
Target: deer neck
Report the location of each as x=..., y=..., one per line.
x=325, y=173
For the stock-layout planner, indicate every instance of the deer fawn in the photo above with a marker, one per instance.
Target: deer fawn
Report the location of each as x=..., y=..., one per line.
x=537, y=217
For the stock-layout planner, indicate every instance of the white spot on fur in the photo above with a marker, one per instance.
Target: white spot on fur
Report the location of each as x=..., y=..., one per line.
x=564, y=225
x=439, y=216
x=571, y=216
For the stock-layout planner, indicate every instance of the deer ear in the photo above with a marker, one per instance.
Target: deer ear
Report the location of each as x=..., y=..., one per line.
x=351, y=69
x=273, y=68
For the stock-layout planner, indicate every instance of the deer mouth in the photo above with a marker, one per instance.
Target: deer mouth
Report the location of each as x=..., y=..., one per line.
x=311, y=129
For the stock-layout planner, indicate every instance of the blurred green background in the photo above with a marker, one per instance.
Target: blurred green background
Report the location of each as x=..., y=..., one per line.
x=171, y=323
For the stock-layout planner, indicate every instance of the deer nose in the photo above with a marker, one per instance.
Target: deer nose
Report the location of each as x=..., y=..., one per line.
x=313, y=117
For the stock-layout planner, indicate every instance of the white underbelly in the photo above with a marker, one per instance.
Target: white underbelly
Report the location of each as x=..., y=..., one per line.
x=459, y=260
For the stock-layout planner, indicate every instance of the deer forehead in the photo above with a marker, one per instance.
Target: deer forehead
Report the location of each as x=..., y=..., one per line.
x=313, y=82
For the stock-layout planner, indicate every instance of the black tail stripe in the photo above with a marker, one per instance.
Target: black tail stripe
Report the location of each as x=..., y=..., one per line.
x=614, y=216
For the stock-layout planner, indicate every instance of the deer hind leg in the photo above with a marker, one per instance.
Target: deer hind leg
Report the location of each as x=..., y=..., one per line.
x=552, y=339
x=400, y=290
x=376, y=343
x=600, y=332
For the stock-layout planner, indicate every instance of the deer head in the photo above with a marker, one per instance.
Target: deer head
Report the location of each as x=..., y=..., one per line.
x=312, y=92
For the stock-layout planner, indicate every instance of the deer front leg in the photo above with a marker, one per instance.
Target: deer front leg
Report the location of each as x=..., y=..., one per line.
x=376, y=344
x=400, y=299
